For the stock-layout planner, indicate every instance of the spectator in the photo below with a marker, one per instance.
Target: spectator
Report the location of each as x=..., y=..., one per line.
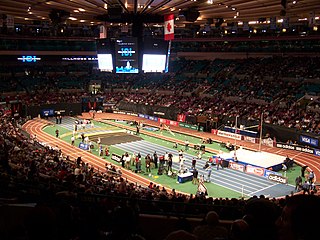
x=306, y=187
x=195, y=179
x=240, y=230
x=211, y=229
x=303, y=169
x=311, y=177
x=299, y=218
x=264, y=214
x=298, y=182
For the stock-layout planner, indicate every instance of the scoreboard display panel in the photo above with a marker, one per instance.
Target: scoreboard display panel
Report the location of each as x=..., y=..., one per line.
x=126, y=50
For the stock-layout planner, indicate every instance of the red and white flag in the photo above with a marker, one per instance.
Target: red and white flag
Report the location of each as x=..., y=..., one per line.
x=169, y=27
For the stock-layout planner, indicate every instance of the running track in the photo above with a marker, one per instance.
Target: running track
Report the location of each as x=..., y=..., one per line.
x=301, y=158
x=35, y=126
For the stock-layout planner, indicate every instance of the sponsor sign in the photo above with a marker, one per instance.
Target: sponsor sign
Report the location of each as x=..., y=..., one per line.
x=47, y=112
x=152, y=118
x=168, y=122
x=162, y=120
x=285, y=146
x=132, y=114
x=317, y=152
x=193, y=127
x=268, y=142
x=241, y=131
x=181, y=118
x=297, y=148
x=304, y=149
x=120, y=112
x=250, y=139
x=237, y=166
x=277, y=178
x=309, y=140
x=229, y=135
x=116, y=157
x=84, y=146
x=259, y=171
x=268, y=172
x=214, y=131
x=79, y=58
x=173, y=123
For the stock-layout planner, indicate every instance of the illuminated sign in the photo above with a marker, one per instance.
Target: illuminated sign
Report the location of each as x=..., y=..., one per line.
x=127, y=55
x=309, y=140
x=126, y=52
x=79, y=58
x=29, y=58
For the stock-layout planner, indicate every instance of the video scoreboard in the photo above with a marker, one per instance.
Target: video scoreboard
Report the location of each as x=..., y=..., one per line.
x=127, y=57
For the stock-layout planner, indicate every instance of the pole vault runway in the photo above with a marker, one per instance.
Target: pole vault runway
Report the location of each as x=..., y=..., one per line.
x=241, y=182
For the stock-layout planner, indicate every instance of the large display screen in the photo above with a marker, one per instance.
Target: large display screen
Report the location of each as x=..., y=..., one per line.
x=105, y=63
x=154, y=62
x=155, y=55
x=127, y=55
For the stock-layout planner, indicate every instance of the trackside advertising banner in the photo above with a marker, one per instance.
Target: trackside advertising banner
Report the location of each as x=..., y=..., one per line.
x=317, y=152
x=299, y=148
x=190, y=126
x=168, y=122
x=259, y=171
x=237, y=166
x=152, y=118
x=227, y=134
x=116, y=157
x=84, y=146
x=277, y=178
x=309, y=140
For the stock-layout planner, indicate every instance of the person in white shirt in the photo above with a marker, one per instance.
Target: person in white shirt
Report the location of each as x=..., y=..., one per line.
x=72, y=140
x=77, y=171
x=186, y=144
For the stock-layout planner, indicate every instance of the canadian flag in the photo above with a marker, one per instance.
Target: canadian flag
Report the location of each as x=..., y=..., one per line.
x=169, y=27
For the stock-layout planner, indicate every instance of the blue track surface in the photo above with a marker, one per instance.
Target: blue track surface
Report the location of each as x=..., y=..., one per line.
x=241, y=182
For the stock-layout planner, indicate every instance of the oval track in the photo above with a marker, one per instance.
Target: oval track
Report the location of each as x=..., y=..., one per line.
x=35, y=126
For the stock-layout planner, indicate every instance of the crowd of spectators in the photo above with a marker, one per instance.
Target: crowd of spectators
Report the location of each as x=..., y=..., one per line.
x=246, y=88
x=75, y=200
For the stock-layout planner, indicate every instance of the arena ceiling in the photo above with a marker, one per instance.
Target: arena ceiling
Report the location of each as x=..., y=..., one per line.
x=151, y=11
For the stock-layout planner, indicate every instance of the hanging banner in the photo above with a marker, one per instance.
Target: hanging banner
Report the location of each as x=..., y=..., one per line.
x=169, y=27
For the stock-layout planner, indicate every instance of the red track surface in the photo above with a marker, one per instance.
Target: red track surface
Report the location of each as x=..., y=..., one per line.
x=35, y=127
